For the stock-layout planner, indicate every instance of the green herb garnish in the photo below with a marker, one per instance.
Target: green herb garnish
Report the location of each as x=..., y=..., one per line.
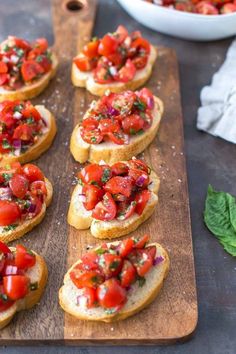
x=6, y=48
x=141, y=281
x=93, y=139
x=140, y=105
x=5, y=144
x=106, y=175
x=18, y=108
x=100, y=251
x=7, y=176
x=30, y=120
x=10, y=227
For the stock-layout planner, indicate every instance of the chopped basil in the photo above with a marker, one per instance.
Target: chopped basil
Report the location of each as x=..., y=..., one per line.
x=19, y=52
x=5, y=144
x=4, y=297
x=30, y=120
x=114, y=265
x=18, y=108
x=140, y=132
x=7, y=176
x=141, y=281
x=140, y=105
x=132, y=131
x=6, y=48
x=95, y=279
x=93, y=139
x=39, y=58
x=106, y=175
x=94, y=183
x=80, y=181
x=49, y=55
x=110, y=311
x=100, y=251
x=10, y=227
x=34, y=286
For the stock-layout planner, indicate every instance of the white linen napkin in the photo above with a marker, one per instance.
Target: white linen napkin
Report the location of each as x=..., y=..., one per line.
x=217, y=114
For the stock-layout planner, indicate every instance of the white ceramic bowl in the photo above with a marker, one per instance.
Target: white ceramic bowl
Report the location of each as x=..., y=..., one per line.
x=181, y=24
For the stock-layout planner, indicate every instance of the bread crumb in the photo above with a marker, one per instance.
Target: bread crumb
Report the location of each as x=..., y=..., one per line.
x=112, y=328
x=179, y=180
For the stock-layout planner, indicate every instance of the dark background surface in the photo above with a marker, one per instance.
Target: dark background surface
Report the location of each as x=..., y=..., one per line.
x=209, y=160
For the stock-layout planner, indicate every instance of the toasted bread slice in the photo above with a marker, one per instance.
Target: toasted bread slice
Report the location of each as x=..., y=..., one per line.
x=138, y=298
x=81, y=218
x=33, y=89
x=28, y=225
x=37, y=274
x=42, y=144
x=85, y=79
x=111, y=152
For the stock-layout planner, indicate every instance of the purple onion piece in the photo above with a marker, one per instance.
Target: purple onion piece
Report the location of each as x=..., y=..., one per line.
x=158, y=260
x=44, y=122
x=150, y=102
x=32, y=208
x=16, y=144
x=112, y=111
x=141, y=180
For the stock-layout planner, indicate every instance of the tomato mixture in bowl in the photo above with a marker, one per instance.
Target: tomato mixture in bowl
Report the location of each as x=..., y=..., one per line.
x=22, y=62
x=116, y=57
x=118, y=116
x=22, y=193
x=21, y=125
x=117, y=191
x=14, y=283
x=105, y=275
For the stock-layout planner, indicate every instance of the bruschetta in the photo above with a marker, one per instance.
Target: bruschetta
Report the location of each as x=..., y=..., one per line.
x=25, y=68
x=117, y=127
x=119, y=61
x=26, y=131
x=114, y=281
x=25, y=193
x=23, y=278
x=113, y=200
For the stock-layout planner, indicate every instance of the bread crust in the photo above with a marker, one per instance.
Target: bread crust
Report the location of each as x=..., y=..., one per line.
x=112, y=152
x=28, y=225
x=33, y=297
x=154, y=283
x=43, y=143
x=82, y=219
x=31, y=90
x=85, y=79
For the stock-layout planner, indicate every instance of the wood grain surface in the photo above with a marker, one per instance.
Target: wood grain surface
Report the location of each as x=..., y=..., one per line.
x=173, y=315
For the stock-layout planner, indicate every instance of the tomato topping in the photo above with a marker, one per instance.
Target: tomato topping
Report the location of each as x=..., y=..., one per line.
x=92, y=173
x=23, y=132
x=141, y=200
x=33, y=173
x=102, y=75
x=93, y=195
x=110, y=264
x=142, y=259
x=38, y=188
x=121, y=33
x=91, y=136
x=91, y=49
x=21, y=43
x=3, y=79
x=3, y=67
x=138, y=164
x=140, y=242
x=125, y=210
x=30, y=69
x=128, y=274
x=132, y=124
x=41, y=44
x=19, y=185
x=141, y=45
x=106, y=209
x=16, y=286
x=9, y=213
x=88, y=298
x=140, y=61
x=4, y=248
x=127, y=72
x=30, y=111
x=107, y=45
x=119, y=137
x=5, y=302
x=24, y=258
x=90, y=123
x=83, y=63
x=110, y=294
x=89, y=261
x=125, y=247
x=86, y=279
x=205, y=8
x=118, y=184
x=119, y=168
x=108, y=126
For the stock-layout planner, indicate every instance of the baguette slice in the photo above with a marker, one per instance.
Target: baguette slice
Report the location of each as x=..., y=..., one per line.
x=85, y=79
x=30, y=90
x=82, y=219
x=42, y=144
x=139, y=298
x=39, y=274
x=28, y=225
x=111, y=152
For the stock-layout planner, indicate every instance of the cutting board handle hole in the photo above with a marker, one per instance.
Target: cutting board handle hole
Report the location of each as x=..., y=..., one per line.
x=75, y=5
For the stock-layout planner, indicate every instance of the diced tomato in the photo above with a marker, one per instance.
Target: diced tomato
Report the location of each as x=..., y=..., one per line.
x=116, y=59
x=140, y=242
x=110, y=294
x=132, y=124
x=4, y=248
x=45, y=63
x=140, y=61
x=205, y=8
x=36, y=203
x=16, y=286
x=91, y=136
x=21, y=43
x=122, y=102
x=88, y=297
x=5, y=143
x=8, y=120
x=119, y=184
x=91, y=49
x=107, y=45
x=141, y=44
x=89, y=261
x=121, y=33
x=140, y=177
x=3, y=67
x=125, y=210
x=24, y=258
x=93, y=195
x=88, y=278
x=30, y=69
x=110, y=264
x=33, y=173
x=19, y=185
x=38, y=188
x=141, y=260
x=125, y=247
x=150, y=251
x=127, y=72
x=128, y=274
x=119, y=168
x=106, y=209
x=138, y=164
x=228, y=8
x=9, y=212
x=5, y=302
x=23, y=132
x=141, y=199
x=4, y=79
x=108, y=125
x=118, y=138
x=41, y=44
x=30, y=111
x=91, y=174
x=90, y=123
x=146, y=96
x=102, y=75
x=83, y=63
x=186, y=6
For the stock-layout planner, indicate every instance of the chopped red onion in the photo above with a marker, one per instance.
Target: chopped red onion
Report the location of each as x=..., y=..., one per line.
x=17, y=115
x=5, y=193
x=141, y=180
x=14, y=58
x=150, y=102
x=44, y=122
x=112, y=111
x=11, y=270
x=158, y=260
x=82, y=198
x=32, y=208
x=16, y=144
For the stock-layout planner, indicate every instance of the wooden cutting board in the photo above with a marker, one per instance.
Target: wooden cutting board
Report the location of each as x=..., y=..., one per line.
x=173, y=315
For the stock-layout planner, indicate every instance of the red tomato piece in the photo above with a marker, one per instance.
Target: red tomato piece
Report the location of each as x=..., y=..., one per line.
x=86, y=279
x=128, y=274
x=119, y=137
x=140, y=61
x=5, y=144
x=110, y=294
x=141, y=199
x=23, y=132
x=205, y=8
x=83, y=63
x=92, y=173
x=4, y=248
x=3, y=67
x=41, y=44
x=109, y=126
x=228, y=8
x=30, y=69
x=127, y=72
x=4, y=79
x=110, y=264
x=33, y=173
x=30, y=111
x=16, y=286
x=93, y=195
x=116, y=59
x=24, y=258
x=119, y=168
x=38, y=188
x=186, y=6
x=142, y=260
x=102, y=75
x=122, y=102
x=125, y=210
x=5, y=302
x=91, y=136
x=125, y=247
x=132, y=124
x=121, y=33
x=88, y=297
x=19, y=185
x=107, y=45
x=91, y=49
x=21, y=43
x=146, y=96
x=45, y=63
x=37, y=203
x=140, y=242
x=89, y=261
x=141, y=45
x=119, y=184
x=140, y=177
x=138, y=164
x=106, y=209
x=90, y=124
x=9, y=212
